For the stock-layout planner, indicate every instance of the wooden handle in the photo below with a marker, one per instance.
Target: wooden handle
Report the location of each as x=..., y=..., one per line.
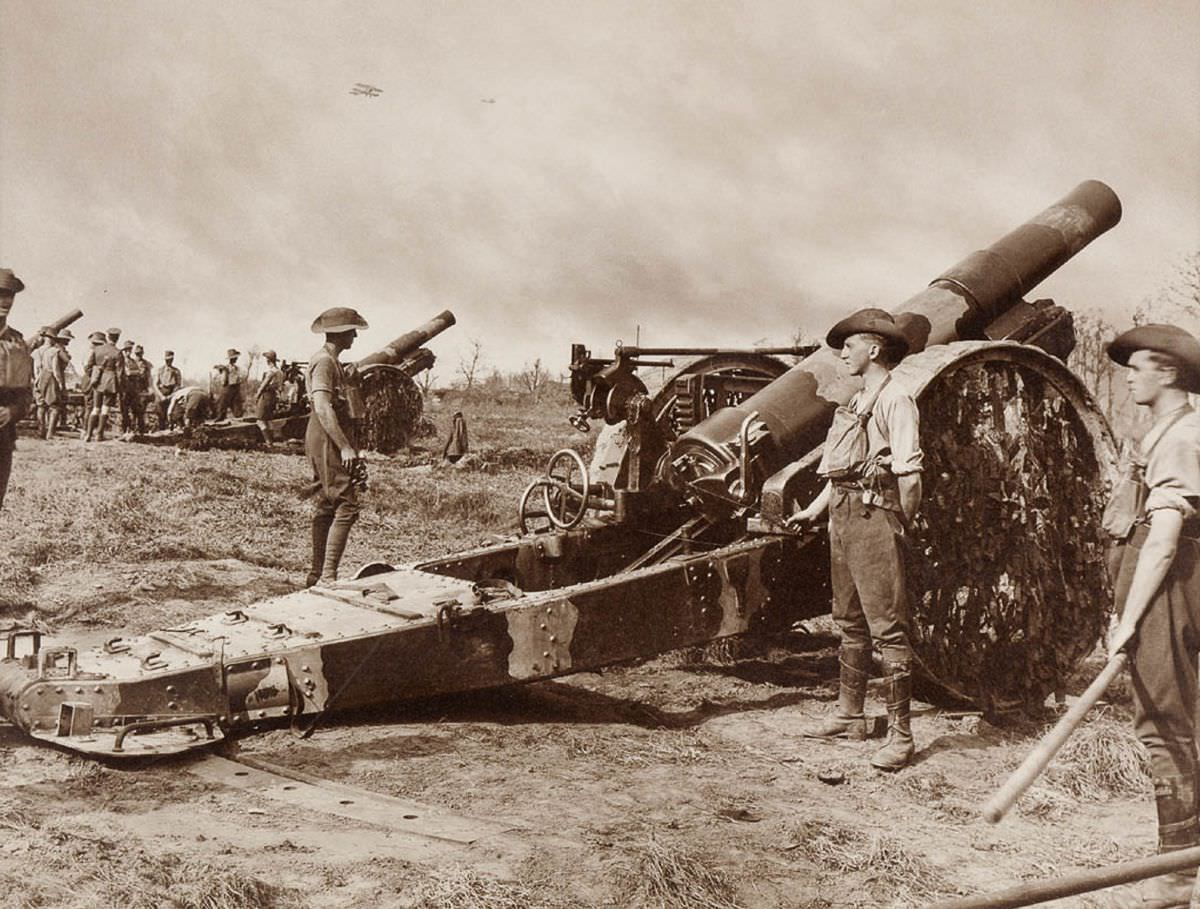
x=1020, y=780
x=1030, y=893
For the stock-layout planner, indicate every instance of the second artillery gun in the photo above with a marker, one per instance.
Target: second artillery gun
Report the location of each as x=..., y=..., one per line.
x=386, y=396
x=673, y=536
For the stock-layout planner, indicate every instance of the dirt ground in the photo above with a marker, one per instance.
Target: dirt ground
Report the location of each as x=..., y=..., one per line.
x=683, y=781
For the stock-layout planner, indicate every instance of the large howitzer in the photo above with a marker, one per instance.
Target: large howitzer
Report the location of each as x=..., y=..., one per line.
x=384, y=398
x=671, y=538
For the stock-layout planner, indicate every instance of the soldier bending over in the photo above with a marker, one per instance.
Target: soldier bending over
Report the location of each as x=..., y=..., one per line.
x=330, y=443
x=872, y=462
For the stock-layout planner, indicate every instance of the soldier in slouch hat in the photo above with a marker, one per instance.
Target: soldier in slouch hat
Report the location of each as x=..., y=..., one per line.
x=330, y=442
x=1154, y=516
x=872, y=466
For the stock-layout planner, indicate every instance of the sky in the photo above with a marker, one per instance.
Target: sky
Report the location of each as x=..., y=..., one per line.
x=701, y=172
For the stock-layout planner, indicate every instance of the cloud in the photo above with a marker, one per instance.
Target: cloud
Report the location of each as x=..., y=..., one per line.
x=711, y=173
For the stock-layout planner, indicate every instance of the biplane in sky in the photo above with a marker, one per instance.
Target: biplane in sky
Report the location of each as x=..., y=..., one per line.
x=362, y=88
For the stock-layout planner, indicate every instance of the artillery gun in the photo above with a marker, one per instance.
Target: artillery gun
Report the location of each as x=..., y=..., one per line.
x=673, y=536
x=388, y=399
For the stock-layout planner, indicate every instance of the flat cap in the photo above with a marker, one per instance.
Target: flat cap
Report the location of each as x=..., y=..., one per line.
x=232, y=353
x=10, y=282
x=1178, y=344
x=340, y=318
x=97, y=337
x=875, y=321
x=168, y=353
x=114, y=331
x=268, y=355
x=127, y=345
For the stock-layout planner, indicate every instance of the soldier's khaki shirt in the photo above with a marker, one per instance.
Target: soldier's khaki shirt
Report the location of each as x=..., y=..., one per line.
x=1173, y=465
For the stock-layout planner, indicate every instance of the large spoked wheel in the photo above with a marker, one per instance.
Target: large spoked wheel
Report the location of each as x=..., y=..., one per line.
x=565, y=489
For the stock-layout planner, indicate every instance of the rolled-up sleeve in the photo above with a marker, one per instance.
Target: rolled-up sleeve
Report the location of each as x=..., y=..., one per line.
x=903, y=421
x=1173, y=475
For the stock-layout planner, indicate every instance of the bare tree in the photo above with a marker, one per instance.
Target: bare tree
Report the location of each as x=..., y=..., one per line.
x=470, y=365
x=534, y=378
x=802, y=337
x=425, y=381
x=1182, y=290
x=1090, y=360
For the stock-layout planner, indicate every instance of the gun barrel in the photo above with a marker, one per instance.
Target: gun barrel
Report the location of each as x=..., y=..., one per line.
x=958, y=305
x=59, y=324
x=404, y=345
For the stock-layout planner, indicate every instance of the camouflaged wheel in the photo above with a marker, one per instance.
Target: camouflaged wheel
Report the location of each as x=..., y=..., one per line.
x=1007, y=569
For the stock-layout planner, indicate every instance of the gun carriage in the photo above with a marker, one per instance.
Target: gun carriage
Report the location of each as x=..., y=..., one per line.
x=674, y=535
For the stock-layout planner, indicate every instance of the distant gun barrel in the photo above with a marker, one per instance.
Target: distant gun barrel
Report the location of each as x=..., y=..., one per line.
x=958, y=305
x=59, y=324
x=409, y=342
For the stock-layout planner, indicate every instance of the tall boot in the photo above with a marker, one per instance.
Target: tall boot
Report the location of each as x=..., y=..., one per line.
x=101, y=422
x=850, y=722
x=339, y=533
x=1175, y=800
x=897, y=751
x=320, y=537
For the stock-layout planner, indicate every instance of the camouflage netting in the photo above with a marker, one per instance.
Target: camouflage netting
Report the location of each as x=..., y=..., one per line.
x=1012, y=507
x=393, y=411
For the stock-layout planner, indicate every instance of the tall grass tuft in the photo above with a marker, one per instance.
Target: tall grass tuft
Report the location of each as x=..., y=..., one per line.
x=843, y=849
x=668, y=877
x=1103, y=759
x=463, y=888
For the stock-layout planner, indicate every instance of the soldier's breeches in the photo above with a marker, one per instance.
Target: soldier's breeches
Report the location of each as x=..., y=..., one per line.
x=1163, y=673
x=867, y=573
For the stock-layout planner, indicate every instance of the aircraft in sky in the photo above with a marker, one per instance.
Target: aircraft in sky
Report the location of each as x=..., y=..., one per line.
x=369, y=91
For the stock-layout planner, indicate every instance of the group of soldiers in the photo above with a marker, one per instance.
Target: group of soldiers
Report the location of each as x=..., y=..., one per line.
x=118, y=383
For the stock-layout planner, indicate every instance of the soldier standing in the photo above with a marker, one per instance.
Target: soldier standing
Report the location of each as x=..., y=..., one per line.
x=166, y=382
x=125, y=390
x=229, y=385
x=1155, y=516
x=267, y=394
x=104, y=372
x=52, y=383
x=872, y=464
x=330, y=443
x=137, y=379
x=16, y=376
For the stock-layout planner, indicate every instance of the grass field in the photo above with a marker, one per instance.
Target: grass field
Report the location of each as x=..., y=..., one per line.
x=681, y=782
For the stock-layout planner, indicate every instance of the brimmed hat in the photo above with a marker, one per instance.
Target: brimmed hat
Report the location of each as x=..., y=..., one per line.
x=168, y=353
x=875, y=321
x=127, y=345
x=232, y=353
x=114, y=331
x=97, y=337
x=268, y=355
x=65, y=335
x=1176, y=343
x=10, y=282
x=340, y=318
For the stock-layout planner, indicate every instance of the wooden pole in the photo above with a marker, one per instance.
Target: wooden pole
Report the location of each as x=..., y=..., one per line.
x=999, y=804
x=1034, y=892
